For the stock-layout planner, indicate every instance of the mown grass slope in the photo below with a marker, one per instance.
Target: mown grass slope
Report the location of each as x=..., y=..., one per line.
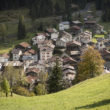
x=93, y=94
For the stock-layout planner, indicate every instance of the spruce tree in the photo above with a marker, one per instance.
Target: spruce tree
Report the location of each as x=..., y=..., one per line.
x=68, y=10
x=55, y=79
x=3, y=30
x=21, y=28
x=57, y=9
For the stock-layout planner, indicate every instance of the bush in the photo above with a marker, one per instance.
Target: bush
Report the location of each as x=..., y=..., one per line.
x=40, y=89
x=21, y=91
x=31, y=94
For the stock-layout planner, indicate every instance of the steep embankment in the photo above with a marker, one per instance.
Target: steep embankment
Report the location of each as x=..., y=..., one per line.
x=93, y=94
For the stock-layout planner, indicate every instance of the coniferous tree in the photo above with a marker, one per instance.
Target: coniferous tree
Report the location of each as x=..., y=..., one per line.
x=3, y=31
x=21, y=28
x=55, y=79
x=6, y=86
x=57, y=9
x=90, y=66
x=33, y=12
x=106, y=11
x=68, y=10
x=13, y=76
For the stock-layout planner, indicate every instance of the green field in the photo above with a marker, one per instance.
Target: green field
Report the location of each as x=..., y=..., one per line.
x=6, y=47
x=93, y=94
x=10, y=19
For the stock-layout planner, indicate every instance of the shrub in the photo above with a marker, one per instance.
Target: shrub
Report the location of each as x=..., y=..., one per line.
x=40, y=89
x=31, y=94
x=21, y=91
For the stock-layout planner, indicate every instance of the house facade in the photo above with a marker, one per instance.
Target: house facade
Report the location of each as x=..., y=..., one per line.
x=4, y=58
x=64, y=25
x=46, y=53
x=61, y=43
x=16, y=54
x=84, y=37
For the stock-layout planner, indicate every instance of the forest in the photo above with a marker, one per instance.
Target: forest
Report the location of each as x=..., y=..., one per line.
x=42, y=8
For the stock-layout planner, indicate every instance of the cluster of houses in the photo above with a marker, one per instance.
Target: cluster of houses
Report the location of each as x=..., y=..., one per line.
x=72, y=39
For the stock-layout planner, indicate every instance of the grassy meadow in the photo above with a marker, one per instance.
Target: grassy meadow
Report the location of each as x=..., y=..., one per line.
x=6, y=47
x=93, y=94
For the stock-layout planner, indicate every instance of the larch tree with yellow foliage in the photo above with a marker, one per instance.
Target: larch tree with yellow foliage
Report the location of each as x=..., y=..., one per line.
x=91, y=65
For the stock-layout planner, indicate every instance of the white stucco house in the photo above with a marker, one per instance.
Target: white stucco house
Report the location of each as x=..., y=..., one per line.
x=39, y=38
x=54, y=36
x=64, y=25
x=16, y=54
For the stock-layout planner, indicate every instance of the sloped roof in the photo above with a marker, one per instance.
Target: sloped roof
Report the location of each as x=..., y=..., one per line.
x=32, y=51
x=24, y=44
x=74, y=42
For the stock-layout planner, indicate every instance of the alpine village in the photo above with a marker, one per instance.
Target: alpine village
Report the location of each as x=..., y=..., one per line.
x=54, y=55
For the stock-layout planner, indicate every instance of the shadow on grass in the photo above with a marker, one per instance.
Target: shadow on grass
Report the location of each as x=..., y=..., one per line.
x=97, y=104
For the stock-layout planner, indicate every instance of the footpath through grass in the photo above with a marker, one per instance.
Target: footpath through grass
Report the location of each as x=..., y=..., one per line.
x=93, y=94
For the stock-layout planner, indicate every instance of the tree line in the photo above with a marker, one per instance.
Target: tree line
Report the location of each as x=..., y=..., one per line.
x=42, y=8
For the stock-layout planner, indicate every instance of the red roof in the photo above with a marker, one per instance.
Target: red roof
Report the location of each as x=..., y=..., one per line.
x=24, y=44
x=76, y=27
x=31, y=79
x=32, y=51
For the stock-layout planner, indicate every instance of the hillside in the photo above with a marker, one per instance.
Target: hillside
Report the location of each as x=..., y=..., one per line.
x=93, y=94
